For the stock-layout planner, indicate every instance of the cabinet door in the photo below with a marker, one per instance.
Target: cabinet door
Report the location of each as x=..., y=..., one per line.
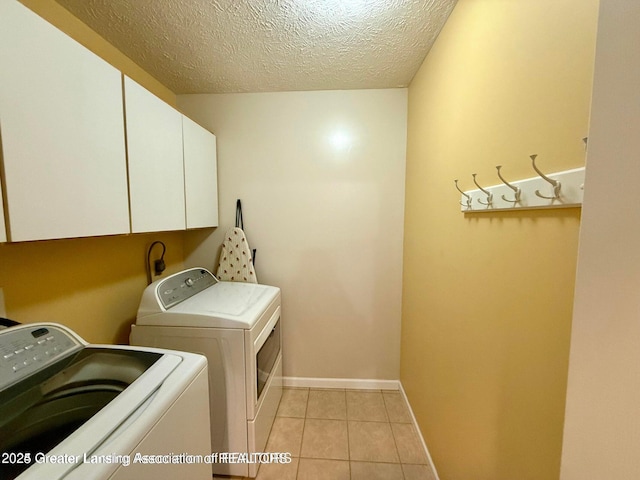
x=200, y=175
x=62, y=127
x=156, y=175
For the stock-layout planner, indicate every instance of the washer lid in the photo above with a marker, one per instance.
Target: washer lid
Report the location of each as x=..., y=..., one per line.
x=74, y=403
x=222, y=305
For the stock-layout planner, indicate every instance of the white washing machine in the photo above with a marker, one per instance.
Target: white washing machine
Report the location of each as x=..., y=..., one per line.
x=69, y=410
x=237, y=327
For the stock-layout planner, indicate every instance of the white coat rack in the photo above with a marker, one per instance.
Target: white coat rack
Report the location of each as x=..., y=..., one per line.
x=555, y=190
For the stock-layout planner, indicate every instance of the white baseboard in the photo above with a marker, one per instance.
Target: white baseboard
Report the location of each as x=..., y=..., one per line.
x=415, y=425
x=351, y=383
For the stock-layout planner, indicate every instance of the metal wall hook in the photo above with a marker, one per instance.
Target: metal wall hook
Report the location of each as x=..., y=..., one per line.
x=487, y=193
x=556, y=185
x=516, y=191
x=468, y=197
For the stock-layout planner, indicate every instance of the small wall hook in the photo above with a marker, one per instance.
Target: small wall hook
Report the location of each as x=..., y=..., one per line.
x=487, y=193
x=468, y=197
x=516, y=191
x=556, y=185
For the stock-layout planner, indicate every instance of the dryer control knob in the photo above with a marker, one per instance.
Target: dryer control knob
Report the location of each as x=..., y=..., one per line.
x=189, y=282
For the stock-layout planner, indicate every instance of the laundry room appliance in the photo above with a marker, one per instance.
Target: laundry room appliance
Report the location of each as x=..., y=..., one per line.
x=237, y=326
x=69, y=410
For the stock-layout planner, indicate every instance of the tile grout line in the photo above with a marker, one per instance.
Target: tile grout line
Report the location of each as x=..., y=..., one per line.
x=395, y=443
x=393, y=435
x=304, y=427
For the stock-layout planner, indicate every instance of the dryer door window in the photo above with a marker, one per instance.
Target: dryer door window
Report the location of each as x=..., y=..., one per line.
x=266, y=357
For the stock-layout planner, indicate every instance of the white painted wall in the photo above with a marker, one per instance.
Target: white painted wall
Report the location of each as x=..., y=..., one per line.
x=602, y=422
x=321, y=178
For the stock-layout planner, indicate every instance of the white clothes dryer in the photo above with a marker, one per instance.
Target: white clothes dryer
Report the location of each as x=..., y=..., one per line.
x=237, y=327
x=69, y=410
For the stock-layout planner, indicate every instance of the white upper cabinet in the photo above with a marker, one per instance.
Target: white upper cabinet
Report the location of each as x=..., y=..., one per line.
x=200, y=175
x=62, y=133
x=156, y=174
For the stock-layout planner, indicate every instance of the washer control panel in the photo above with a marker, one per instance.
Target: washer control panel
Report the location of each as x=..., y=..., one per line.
x=25, y=350
x=177, y=288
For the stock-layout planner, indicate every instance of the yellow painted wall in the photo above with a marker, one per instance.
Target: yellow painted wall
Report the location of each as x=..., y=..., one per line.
x=487, y=299
x=93, y=285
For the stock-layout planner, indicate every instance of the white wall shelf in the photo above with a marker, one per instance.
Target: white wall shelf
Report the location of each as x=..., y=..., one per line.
x=502, y=197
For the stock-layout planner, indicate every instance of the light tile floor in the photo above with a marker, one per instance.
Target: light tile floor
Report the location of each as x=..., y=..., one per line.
x=345, y=435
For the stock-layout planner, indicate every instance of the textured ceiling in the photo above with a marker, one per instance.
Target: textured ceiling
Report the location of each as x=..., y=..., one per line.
x=216, y=46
